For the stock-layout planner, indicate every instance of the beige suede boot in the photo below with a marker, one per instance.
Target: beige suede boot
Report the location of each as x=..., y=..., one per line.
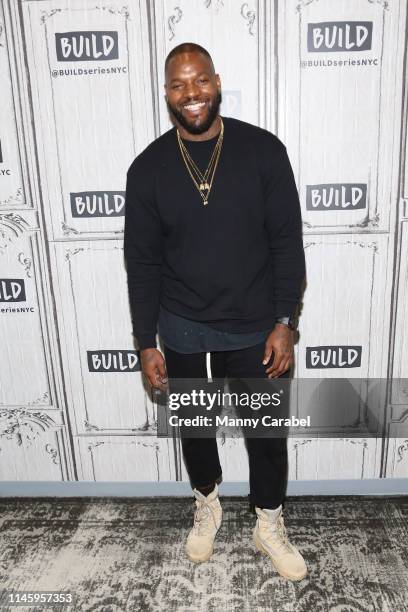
x=270, y=537
x=207, y=521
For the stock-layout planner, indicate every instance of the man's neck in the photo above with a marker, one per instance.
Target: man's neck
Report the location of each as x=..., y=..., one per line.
x=212, y=131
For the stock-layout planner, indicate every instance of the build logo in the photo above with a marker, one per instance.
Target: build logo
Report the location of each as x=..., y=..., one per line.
x=98, y=203
x=318, y=357
x=336, y=196
x=113, y=361
x=338, y=36
x=12, y=290
x=86, y=46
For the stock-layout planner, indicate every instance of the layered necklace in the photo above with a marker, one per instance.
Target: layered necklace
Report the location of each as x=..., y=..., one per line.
x=203, y=182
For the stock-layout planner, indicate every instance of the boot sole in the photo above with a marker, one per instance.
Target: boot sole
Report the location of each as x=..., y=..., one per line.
x=200, y=559
x=265, y=552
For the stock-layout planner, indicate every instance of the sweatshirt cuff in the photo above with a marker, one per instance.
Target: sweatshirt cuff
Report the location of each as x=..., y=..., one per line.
x=285, y=309
x=146, y=341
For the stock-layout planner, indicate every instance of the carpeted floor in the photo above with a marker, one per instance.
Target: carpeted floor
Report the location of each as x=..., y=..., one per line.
x=119, y=554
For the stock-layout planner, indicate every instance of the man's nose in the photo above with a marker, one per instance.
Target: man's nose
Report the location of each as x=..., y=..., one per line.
x=191, y=91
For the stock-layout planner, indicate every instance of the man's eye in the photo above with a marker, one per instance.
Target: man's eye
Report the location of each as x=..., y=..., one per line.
x=176, y=86
x=203, y=81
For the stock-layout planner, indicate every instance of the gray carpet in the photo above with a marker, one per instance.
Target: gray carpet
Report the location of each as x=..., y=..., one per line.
x=128, y=554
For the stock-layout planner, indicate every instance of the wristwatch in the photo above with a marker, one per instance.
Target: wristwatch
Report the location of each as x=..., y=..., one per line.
x=288, y=321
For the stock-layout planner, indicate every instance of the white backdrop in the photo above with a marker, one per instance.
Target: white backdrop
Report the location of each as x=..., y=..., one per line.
x=328, y=77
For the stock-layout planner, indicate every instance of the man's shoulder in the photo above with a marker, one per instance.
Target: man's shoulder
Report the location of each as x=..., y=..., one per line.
x=151, y=155
x=253, y=133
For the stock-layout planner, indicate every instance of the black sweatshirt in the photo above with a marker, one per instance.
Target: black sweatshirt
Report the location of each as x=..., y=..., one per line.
x=235, y=264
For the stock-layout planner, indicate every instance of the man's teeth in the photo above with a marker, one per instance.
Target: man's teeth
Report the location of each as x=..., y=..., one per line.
x=194, y=107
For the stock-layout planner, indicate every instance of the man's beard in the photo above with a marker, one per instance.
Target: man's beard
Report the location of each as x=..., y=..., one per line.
x=213, y=110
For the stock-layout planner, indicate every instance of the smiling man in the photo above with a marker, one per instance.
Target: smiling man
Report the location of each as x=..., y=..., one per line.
x=215, y=263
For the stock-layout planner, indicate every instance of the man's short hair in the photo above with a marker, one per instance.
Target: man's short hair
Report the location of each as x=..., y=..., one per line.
x=187, y=47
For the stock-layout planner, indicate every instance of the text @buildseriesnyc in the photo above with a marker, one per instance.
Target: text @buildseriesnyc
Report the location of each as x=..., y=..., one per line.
x=326, y=407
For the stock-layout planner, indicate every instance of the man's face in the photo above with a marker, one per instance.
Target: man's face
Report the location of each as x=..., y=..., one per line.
x=193, y=91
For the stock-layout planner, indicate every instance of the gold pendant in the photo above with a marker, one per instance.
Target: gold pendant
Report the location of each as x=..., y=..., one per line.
x=205, y=202
x=204, y=186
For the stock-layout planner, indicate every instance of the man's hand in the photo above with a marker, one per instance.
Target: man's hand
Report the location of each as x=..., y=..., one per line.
x=280, y=342
x=154, y=368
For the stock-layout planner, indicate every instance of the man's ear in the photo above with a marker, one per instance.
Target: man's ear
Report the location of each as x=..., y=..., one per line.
x=218, y=81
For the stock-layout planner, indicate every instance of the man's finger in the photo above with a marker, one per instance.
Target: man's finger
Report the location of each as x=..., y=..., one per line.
x=278, y=359
x=158, y=385
x=267, y=354
x=151, y=373
x=281, y=369
x=284, y=366
x=151, y=379
x=162, y=371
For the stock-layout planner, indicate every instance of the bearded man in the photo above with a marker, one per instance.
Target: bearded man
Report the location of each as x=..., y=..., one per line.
x=215, y=264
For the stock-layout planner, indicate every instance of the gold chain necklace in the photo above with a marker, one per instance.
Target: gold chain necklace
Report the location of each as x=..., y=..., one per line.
x=204, y=187
x=201, y=177
x=203, y=182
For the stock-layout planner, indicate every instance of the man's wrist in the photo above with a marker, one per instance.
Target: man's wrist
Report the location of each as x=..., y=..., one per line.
x=146, y=341
x=287, y=321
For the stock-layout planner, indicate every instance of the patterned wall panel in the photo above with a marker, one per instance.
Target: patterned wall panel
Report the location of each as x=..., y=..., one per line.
x=232, y=34
x=395, y=462
x=33, y=445
x=344, y=302
x=34, y=437
x=397, y=459
x=26, y=366
x=124, y=458
x=340, y=97
x=103, y=378
x=92, y=102
x=12, y=191
x=326, y=459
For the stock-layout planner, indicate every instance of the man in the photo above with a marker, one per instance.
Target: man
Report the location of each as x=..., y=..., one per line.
x=215, y=260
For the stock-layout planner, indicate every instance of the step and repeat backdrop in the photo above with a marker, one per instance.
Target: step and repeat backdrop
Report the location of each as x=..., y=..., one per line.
x=82, y=95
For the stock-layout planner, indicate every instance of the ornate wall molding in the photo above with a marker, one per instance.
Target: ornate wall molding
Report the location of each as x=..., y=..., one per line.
x=12, y=226
x=401, y=450
x=249, y=15
x=173, y=20
x=26, y=262
x=24, y=426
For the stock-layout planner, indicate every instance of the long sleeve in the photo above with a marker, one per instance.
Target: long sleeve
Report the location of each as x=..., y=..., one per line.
x=143, y=254
x=284, y=227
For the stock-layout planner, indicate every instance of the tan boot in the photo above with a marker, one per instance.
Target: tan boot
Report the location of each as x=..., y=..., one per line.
x=207, y=521
x=270, y=537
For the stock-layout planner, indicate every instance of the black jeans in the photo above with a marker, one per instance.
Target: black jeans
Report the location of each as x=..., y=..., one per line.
x=268, y=458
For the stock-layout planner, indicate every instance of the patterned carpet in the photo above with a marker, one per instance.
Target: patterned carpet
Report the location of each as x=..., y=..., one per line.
x=120, y=554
